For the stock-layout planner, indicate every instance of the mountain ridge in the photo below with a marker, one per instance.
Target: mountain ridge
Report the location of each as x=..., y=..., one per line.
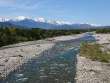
x=43, y=24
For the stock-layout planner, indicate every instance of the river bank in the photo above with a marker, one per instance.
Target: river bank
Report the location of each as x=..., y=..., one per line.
x=89, y=71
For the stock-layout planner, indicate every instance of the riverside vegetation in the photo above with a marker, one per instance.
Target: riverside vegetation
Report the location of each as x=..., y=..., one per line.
x=93, y=51
x=14, y=34
x=10, y=35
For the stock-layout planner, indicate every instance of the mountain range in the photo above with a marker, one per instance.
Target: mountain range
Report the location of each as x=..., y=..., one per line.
x=43, y=24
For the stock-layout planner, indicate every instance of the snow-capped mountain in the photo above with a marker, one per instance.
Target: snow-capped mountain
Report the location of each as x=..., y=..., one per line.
x=45, y=24
x=4, y=19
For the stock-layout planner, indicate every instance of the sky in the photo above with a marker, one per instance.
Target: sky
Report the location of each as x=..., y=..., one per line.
x=78, y=11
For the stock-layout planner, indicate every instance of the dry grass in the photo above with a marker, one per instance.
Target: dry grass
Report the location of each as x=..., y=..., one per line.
x=94, y=52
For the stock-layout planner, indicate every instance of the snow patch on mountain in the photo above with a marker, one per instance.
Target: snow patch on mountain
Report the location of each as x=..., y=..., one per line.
x=40, y=19
x=20, y=18
x=4, y=19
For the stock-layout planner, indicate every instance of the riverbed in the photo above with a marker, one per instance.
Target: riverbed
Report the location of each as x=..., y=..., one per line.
x=55, y=65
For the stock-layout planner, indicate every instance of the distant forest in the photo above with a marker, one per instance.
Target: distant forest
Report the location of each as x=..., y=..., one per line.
x=11, y=35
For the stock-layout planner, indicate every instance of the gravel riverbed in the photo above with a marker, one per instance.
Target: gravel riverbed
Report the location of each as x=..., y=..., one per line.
x=89, y=71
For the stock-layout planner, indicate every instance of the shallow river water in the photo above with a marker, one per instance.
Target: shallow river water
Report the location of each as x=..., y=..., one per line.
x=56, y=65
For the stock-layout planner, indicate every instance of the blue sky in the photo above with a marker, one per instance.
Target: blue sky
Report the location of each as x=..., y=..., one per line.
x=80, y=11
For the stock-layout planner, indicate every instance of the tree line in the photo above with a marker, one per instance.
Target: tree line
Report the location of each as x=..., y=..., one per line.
x=11, y=35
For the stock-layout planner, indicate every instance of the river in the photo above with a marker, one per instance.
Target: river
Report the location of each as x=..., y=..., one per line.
x=56, y=65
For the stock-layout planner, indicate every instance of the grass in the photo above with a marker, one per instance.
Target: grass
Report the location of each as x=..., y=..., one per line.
x=94, y=52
